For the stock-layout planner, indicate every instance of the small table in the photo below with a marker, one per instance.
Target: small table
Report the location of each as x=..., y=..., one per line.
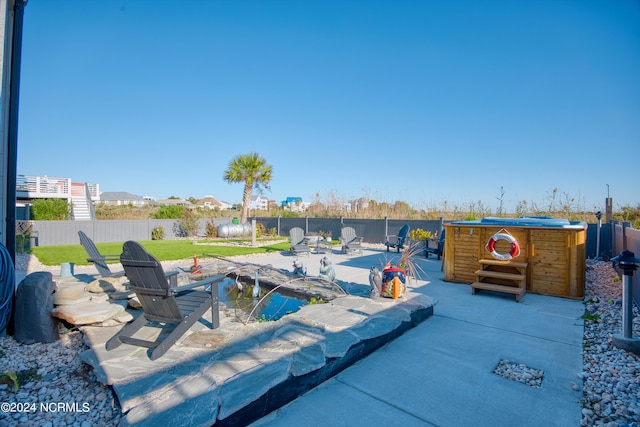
x=324, y=246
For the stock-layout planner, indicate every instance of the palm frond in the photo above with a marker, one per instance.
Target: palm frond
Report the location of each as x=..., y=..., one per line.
x=408, y=260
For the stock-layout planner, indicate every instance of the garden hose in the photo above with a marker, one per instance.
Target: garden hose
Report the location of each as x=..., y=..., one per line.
x=7, y=287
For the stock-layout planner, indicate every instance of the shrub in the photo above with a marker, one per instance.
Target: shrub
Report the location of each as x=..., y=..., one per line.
x=272, y=232
x=104, y=211
x=169, y=212
x=50, y=209
x=260, y=229
x=189, y=223
x=157, y=233
x=211, y=230
x=419, y=234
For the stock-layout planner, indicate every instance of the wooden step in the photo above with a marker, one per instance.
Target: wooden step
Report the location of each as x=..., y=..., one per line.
x=518, y=292
x=500, y=275
x=515, y=264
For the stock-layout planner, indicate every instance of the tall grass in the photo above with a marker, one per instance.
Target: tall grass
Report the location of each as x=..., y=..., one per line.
x=555, y=204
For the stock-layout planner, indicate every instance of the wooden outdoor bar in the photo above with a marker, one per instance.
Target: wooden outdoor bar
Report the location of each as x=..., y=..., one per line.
x=517, y=255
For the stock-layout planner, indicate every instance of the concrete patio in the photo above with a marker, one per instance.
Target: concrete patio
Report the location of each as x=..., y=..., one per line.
x=425, y=359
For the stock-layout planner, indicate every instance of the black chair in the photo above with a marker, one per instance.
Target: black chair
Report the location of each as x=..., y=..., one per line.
x=436, y=246
x=398, y=241
x=163, y=304
x=99, y=260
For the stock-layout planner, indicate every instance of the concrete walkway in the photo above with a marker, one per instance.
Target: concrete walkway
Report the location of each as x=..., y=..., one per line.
x=440, y=372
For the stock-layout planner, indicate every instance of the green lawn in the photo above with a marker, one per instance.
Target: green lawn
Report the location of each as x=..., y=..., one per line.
x=164, y=250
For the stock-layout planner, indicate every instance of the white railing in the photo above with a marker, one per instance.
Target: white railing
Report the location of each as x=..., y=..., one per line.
x=31, y=187
x=94, y=191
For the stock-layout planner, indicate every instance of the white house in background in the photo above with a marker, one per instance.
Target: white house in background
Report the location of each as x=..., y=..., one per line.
x=211, y=203
x=295, y=204
x=119, y=198
x=259, y=202
x=208, y=202
x=225, y=205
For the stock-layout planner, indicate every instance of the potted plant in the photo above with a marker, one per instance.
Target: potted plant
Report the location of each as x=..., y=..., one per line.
x=394, y=275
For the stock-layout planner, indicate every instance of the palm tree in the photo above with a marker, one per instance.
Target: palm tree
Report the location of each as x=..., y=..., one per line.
x=254, y=171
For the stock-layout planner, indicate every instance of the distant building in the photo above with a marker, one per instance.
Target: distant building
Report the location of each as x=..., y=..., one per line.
x=80, y=195
x=358, y=205
x=209, y=202
x=120, y=198
x=294, y=204
x=259, y=202
x=225, y=205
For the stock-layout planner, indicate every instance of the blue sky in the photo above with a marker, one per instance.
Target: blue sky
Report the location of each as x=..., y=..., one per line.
x=428, y=102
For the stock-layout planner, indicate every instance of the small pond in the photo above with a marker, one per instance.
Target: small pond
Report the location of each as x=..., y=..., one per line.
x=239, y=296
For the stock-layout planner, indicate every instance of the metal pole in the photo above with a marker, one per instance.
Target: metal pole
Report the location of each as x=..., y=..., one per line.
x=598, y=239
x=253, y=233
x=599, y=216
x=628, y=263
x=12, y=146
x=627, y=305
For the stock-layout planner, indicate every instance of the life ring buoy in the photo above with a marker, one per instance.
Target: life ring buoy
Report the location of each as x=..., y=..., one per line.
x=515, y=248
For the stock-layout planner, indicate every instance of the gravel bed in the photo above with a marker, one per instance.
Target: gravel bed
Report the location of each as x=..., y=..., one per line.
x=57, y=389
x=611, y=376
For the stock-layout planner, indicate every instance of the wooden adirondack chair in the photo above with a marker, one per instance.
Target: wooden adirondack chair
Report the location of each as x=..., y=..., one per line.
x=299, y=244
x=436, y=246
x=181, y=306
x=98, y=260
x=398, y=241
x=350, y=242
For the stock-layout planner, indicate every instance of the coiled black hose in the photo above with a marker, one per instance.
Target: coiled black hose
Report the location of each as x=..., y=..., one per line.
x=7, y=286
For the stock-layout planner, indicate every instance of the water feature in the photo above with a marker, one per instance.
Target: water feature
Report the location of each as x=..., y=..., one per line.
x=266, y=306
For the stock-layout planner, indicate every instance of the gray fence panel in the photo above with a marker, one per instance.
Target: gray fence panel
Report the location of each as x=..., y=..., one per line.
x=325, y=225
x=58, y=232
x=52, y=233
x=605, y=241
x=633, y=244
x=287, y=224
x=121, y=230
x=268, y=223
x=625, y=237
x=372, y=230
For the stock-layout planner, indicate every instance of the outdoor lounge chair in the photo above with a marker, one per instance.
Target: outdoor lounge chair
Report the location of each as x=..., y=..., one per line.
x=299, y=244
x=436, y=246
x=98, y=260
x=349, y=241
x=398, y=241
x=162, y=304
